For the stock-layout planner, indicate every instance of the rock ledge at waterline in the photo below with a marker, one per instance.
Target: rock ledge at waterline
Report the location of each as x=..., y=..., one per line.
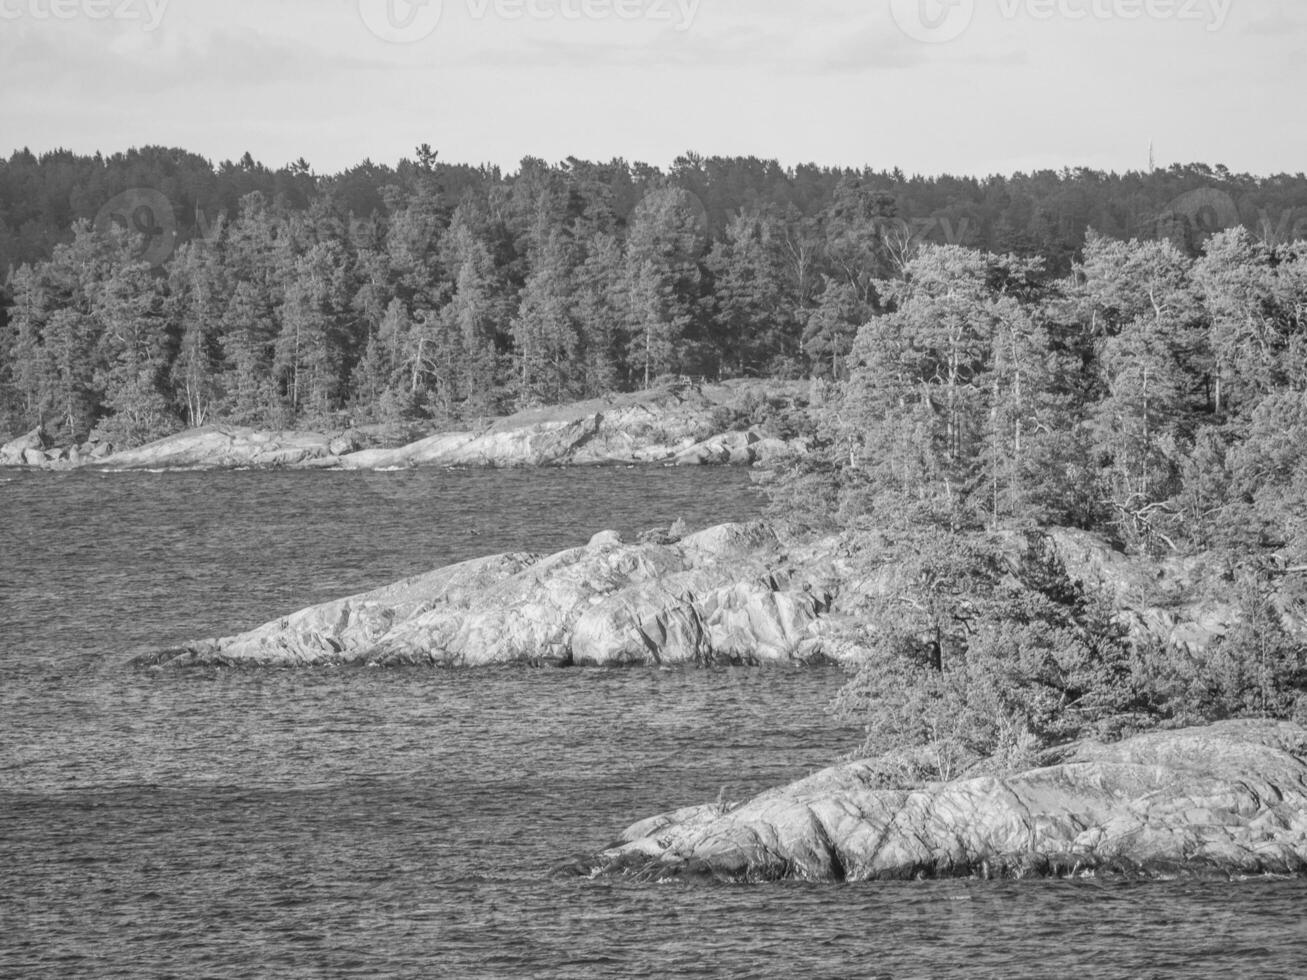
x=735, y=594
x=731, y=594
x=1230, y=799
x=682, y=425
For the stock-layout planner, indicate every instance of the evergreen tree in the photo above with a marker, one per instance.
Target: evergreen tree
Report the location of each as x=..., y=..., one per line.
x=134, y=354
x=475, y=317
x=600, y=306
x=754, y=320
x=1140, y=302
x=546, y=334
x=662, y=281
x=198, y=306
x=30, y=366
x=832, y=326
x=312, y=345
x=919, y=397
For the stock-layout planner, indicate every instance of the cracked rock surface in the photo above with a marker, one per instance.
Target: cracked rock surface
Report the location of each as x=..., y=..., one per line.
x=1229, y=799
x=731, y=594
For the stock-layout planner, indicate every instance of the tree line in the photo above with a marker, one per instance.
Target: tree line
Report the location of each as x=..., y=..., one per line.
x=442, y=292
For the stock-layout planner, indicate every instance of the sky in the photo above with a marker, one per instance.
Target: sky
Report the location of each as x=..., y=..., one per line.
x=930, y=86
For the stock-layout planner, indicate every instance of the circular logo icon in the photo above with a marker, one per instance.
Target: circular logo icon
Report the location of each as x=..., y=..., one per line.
x=679, y=207
x=695, y=206
x=1199, y=214
x=933, y=21
x=401, y=21
x=145, y=212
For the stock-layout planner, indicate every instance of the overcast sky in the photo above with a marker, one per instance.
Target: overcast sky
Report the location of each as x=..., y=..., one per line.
x=963, y=86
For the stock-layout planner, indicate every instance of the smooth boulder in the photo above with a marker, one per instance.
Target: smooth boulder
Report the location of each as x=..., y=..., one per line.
x=14, y=453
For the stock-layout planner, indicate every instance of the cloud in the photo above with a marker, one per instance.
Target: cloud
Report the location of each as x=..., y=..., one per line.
x=102, y=60
x=833, y=50
x=1276, y=24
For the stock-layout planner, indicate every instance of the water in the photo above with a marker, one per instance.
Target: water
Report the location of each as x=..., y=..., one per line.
x=355, y=823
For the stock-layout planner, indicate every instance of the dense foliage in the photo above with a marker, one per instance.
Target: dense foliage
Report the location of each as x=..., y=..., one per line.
x=434, y=291
x=1157, y=399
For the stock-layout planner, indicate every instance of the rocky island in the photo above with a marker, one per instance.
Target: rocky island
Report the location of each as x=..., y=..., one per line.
x=1222, y=799
x=738, y=594
x=1227, y=799
x=732, y=594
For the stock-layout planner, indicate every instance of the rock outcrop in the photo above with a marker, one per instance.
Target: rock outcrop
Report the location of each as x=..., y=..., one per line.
x=681, y=424
x=1184, y=602
x=731, y=594
x=675, y=425
x=30, y=446
x=226, y=447
x=1230, y=799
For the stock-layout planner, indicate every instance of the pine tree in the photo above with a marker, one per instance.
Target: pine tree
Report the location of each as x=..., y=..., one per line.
x=755, y=329
x=474, y=319
x=134, y=354
x=662, y=281
x=1139, y=299
x=198, y=305
x=600, y=308
x=919, y=398
x=545, y=330
x=832, y=326
x=31, y=368
x=248, y=341
x=311, y=348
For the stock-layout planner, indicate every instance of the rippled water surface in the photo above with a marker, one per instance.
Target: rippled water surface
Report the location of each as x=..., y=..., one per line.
x=362, y=823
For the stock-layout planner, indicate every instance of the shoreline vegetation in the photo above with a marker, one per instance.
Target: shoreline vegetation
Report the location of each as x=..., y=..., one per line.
x=151, y=291
x=1033, y=519
x=1034, y=499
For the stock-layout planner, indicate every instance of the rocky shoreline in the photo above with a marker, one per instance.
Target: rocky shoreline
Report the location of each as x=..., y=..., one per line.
x=1230, y=799
x=683, y=425
x=734, y=594
x=1225, y=800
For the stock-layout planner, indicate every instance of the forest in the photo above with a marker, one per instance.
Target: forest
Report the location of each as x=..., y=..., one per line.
x=150, y=290
x=1123, y=355
x=1155, y=400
